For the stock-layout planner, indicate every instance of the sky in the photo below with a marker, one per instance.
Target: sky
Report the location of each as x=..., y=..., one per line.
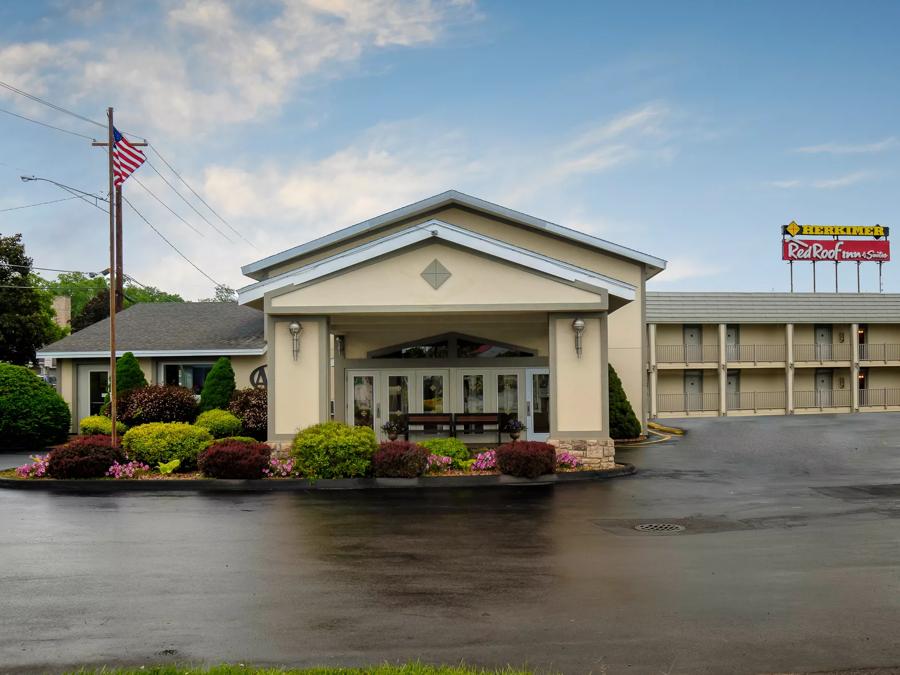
x=690, y=131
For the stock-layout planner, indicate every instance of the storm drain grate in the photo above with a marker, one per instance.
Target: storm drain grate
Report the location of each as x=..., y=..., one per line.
x=659, y=528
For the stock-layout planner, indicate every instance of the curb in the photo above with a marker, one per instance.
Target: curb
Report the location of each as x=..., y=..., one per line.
x=665, y=429
x=88, y=486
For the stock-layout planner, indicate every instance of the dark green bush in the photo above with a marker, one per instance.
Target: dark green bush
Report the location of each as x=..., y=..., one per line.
x=526, y=459
x=220, y=423
x=84, y=457
x=129, y=375
x=32, y=414
x=623, y=423
x=218, y=386
x=159, y=443
x=158, y=403
x=334, y=450
x=251, y=407
x=400, y=459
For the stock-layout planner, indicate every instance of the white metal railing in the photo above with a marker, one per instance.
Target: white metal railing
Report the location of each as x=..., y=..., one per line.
x=687, y=353
x=681, y=402
x=823, y=352
x=766, y=353
x=823, y=398
x=879, y=397
x=879, y=352
x=755, y=400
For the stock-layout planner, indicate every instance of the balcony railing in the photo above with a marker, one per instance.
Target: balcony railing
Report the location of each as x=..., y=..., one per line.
x=687, y=353
x=755, y=400
x=755, y=353
x=823, y=352
x=879, y=397
x=879, y=352
x=823, y=398
x=681, y=402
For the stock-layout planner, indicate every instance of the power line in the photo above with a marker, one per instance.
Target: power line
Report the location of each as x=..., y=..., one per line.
x=44, y=124
x=194, y=192
x=162, y=236
x=153, y=194
x=28, y=206
x=47, y=103
x=186, y=201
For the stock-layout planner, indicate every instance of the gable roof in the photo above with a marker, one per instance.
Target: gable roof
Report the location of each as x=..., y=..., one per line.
x=256, y=270
x=773, y=308
x=432, y=230
x=170, y=329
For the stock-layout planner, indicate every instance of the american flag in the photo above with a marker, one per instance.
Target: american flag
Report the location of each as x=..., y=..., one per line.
x=126, y=158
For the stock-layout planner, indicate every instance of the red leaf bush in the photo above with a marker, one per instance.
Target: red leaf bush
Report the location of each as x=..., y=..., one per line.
x=526, y=459
x=229, y=458
x=400, y=459
x=158, y=403
x=250, y=406
x=84, y=457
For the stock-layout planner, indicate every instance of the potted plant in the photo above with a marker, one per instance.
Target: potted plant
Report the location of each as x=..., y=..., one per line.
x=393, y=428
x=514, y=428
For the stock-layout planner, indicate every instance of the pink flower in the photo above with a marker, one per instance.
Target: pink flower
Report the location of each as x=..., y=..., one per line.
x=38, y=468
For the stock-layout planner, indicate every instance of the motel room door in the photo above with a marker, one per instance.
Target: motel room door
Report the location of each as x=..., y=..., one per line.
x=537, y=403
x=693, y=341
x=693, y=390
x=823, y=343
x=824, y=385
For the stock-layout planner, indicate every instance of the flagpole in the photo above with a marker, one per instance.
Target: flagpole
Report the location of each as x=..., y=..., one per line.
x=113, y=272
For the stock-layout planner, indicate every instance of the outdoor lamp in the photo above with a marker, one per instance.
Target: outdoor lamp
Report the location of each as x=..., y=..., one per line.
x=578, y=327
x=295, y=329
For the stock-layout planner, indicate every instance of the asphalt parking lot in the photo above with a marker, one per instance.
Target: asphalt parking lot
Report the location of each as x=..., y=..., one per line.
x=789, y=561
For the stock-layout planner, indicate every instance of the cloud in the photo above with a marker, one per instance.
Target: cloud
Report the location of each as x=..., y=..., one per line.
x=850, y=149
x=824, y=183
x=681, y=268
x=212, y=63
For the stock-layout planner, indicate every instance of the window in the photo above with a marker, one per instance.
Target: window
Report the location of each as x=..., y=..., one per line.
x=452, y=346
x=190, y=375
x=484, y=349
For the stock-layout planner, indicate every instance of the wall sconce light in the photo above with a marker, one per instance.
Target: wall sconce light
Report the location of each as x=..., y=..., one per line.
x=841, y=337
x=578, y=327
x=841, y=382
x=339, y=344
x=295, y=330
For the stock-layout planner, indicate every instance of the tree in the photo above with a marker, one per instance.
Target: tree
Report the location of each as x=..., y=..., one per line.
x=96, y=309
x=78, y=287
x=219, y=385
x=135, y=294
x=26, y=313
x=223, y=294
x=623, y=423
x=129, y=375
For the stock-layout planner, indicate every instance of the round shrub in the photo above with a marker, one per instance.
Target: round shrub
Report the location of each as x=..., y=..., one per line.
x=99, y=424
x=32, y=414
x=526, y=459
x=453, y=448
x=84, y=457
x=400, y=459
x=220, y=423
x=334, y=450
x=251, y=408
x=158, y=403
x=235, y=459
x=161, y=442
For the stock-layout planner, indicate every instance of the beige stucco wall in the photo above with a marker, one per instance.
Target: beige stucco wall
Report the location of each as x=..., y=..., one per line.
x=883, y=378
x=762, y=379
x=579, y=382
x=883, y=334
x=761, y=334
x=65, y=384
x=804, y=333
x=298, y=389
x=397, y=281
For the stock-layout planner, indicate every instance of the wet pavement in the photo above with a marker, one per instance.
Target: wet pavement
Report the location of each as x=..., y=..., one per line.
x=789, y=561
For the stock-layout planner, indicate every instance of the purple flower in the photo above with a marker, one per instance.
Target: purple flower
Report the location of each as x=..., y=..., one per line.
x=37, y=469
x=438, y=463
x=129, y=470
x=568, y=460
x=279, y=468
x=485, y=461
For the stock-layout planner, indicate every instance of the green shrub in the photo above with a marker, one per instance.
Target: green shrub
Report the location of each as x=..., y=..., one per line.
x=453, y=448
x=242, y=439
x=32, y=414
x=129, y=375
x=99, y=424
x=161, y=442
x=623, y=423
x=220, y=423
x=218, y=386
x=334, y=450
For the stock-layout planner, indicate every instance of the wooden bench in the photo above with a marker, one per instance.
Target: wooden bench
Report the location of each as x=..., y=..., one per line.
x=429, y=422
x=478, y=421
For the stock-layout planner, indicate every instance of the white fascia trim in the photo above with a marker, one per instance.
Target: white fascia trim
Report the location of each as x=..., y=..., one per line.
x=259, y=351
x=443, y=199
x=437, y=229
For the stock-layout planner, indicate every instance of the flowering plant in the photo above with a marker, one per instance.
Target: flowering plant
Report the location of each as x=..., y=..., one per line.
x=279, y=468
x=438, y=463
x=514, y=425
x=485, y=461
x=130, y=470
x=568, y=460
x=38, y=468
x=394, y=426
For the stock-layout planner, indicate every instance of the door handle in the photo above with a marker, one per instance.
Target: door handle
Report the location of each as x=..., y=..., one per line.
x=378, y=410
x=528, y=408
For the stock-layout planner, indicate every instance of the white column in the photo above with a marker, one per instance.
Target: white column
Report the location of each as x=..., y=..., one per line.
x=789, y=367
x=854, y=368
x=653, y=372
x=723, y=372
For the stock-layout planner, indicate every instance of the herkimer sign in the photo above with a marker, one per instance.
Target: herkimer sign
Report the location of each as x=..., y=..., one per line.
x=852, y=250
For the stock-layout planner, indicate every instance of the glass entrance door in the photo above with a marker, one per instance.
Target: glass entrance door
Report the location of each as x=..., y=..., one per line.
x=537, y=403
x=93, y=382
x=363, y=409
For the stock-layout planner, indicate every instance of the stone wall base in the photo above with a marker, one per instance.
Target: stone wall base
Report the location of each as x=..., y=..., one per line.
x=280, y=449
x=595, y=453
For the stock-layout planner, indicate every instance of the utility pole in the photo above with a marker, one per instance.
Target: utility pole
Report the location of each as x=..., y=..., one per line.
x=116, y=268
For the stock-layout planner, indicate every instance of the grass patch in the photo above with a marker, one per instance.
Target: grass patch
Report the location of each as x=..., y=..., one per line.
x=384, y=669
x=8, y=473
